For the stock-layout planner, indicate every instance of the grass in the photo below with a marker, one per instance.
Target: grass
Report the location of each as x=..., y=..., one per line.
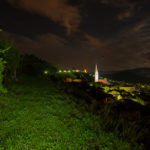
x=34, y=115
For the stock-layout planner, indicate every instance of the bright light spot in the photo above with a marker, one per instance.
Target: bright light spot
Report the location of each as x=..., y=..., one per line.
x=85, y=70
x=77, y=80
x=46, y=72
x=69, y=70
x=77, y=70
x=91, y=84
x=64, y=70
x=60, y=71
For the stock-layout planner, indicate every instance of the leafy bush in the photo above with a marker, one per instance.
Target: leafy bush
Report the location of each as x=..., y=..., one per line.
x=1, y=76
x=12, y=55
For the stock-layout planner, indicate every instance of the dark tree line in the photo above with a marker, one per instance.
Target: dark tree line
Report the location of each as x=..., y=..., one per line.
x=13, y=63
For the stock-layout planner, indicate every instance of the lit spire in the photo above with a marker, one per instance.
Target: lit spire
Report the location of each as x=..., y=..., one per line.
x=96, y=73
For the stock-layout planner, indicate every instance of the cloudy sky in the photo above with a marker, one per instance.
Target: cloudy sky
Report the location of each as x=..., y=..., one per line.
x=79, y=33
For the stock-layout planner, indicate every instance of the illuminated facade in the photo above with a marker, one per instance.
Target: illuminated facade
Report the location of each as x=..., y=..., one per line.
x=96, y=73
x=104, y=81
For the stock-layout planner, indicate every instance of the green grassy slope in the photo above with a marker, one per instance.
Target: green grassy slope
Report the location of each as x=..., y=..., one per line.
x=34, y=115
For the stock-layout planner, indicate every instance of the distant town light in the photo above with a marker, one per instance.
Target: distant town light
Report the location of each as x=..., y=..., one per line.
x=46, y=72
x=85, y=70
x=77, y=70
x=91, y=84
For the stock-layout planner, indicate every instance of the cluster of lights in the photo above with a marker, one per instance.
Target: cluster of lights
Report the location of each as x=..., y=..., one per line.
x=69, y=71
x=65, y=71
x=76, y=70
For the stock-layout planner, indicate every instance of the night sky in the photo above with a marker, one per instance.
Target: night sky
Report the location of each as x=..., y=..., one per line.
x=115, y=34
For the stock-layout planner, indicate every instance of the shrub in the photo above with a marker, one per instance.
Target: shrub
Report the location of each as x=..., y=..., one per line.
x=1, y=76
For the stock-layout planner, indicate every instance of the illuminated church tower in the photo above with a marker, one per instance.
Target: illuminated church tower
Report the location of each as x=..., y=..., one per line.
x=96, y=73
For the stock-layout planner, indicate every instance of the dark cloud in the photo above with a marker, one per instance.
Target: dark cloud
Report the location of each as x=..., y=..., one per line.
x=42, y=45
x=92, y=42
x=146, y=56
x=115, y=40
x=117, y=3
x=129, y=49
x=125, y=15
x=52, y=48
x=126, y=8
x=57, y=10
x=129, y=46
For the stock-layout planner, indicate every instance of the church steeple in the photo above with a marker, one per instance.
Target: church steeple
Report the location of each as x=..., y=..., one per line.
x=96, y=73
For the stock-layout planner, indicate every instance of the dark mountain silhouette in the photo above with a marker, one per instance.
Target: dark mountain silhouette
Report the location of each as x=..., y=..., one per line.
x=133, y=75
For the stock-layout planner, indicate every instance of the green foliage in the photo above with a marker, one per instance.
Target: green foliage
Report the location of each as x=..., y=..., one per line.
x=5, y=45
x=1, y=75
x=2, y=62
x=123, y=120
x=11, y=55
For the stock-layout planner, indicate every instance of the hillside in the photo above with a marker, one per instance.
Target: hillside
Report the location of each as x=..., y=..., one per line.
x=35, y=115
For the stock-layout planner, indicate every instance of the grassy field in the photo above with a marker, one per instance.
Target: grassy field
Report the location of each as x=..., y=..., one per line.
x=34, y=115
